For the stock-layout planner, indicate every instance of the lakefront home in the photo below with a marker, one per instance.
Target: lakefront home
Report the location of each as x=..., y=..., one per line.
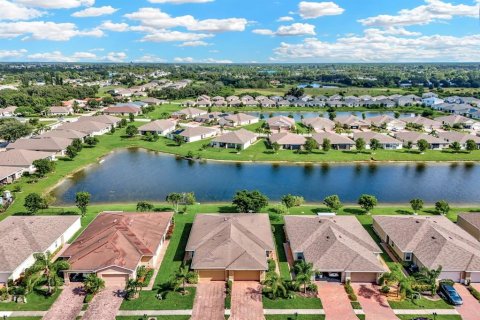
x=24, y=159
x=387, y=122
x=458, y=120
x=288, y=140
x=431, y=242
x=239, y=119
x=161, y=127
x=230, y=246
x=319, y=124
x=426, y=124
x=10, y=174
x=192, y=134
x=280, y=123
x=337, y=141
x=116, y=244
x=470, y=222
x=435, y=143
x=460, y=137
x=351, y=122
x=339, y=247
x=239, y=140
x=386, y=142
x=54, y=145
x=23, y=236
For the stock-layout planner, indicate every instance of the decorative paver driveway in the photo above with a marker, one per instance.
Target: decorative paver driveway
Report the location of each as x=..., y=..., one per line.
x=209, y=301
x=68, y=305
x=373, y=303
x=247, y=301
x=470, y=310
x=105, y=305
x=335, y=301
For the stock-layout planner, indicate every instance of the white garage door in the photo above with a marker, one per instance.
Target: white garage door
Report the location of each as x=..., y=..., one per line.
x=115, y=280
x=475, y=277
x=455, y=276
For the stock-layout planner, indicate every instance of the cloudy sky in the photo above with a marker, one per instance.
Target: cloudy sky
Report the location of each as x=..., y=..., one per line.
x=224, y=31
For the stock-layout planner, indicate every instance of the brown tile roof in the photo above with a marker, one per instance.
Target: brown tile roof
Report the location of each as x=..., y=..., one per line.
x=230, y=241
x=471, y=217
x=383, y=119
x=337, y=243
x=20, y=157
x=196, y=131
x=122, y=109
x=117, y=239
x=334, y=138
x=45, y=144
x=460, y=137
x=103, y=118
x=435, y=241
x=369, y=135
x=158, y=125
x=68, y=134
x=190, y=112
x=239, y=137
x=427, y=123
x=351, y=121
x=281, y=121
x=60, y=110
x=88, y=127
x=240, y=117
x=454, y=119
x=319, y=123
x=8, y=171
x=284, y=138
x=415, y=136
x=22, y=236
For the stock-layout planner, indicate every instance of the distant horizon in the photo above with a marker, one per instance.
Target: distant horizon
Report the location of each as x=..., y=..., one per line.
x=230, y=32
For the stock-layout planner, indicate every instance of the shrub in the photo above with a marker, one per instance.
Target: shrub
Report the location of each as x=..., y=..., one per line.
x=350, y=292
x=17, y=188
x=271, y=265
x=312, y=287
x=88, y=298
x=474, y=292
x=447, y=282
x=192, y=278
x=385, y=289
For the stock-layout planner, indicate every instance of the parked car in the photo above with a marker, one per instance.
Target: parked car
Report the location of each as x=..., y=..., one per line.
x=450, y=294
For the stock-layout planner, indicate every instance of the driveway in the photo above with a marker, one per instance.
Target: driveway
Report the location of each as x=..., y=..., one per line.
x=471, y=307
x=68, y=305
x=105, y=304
x=209, y=301
x=246, y=301
x=373, y=303
x=335, y=301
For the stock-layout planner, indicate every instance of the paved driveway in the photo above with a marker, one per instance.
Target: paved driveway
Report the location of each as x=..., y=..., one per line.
x=470, y=310
x=209, y=301
x=105, y=305
x=373, y=303
x=68, y=305
x=247, y=301
x=335, y=301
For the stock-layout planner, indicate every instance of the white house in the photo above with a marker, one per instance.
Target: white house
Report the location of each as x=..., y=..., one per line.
x=23, y=236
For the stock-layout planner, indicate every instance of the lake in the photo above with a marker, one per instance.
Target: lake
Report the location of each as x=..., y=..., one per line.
x=298, y=115
x=131, y=175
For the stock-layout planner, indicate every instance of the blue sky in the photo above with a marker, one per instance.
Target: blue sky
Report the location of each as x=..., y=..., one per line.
x=226, y=31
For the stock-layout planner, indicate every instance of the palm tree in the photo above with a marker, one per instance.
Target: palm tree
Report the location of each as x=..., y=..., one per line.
x=275, y=285
x=405, y=286
x=304, y=272
x=429, y=277
x=182, y=276
x=93, y=284
x=47, y=268
x=132, y=288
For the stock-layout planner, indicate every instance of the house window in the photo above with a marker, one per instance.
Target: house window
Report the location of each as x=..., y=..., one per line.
x=408, y=256
x=300, y=256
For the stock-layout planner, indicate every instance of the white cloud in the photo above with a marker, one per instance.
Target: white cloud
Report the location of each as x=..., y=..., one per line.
x=6, y=54
x=56, y=4
x=378, y=46
x=155, y=18
x=115, y=57
x=184, y=60
x=95, y=12
x=433, y=10
x=57, y=56
x=312, y=10
x=148, y=58
x=296, y=29
x=179, y=1
x=197, y=43
x=15, y=11
x=211, y=60
x=285, y=19
x=41, y=30
x=112, y=26
x=171, y=36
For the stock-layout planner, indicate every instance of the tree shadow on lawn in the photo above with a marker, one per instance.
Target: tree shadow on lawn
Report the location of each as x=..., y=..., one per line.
x=355, y=211
x=227, y=209
x=404, y=212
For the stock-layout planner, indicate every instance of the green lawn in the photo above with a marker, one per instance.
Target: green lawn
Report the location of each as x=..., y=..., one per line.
x=293, y=317
x=35, y=302
x=158, y=317
x=279, y=235
x=420, y=304
x=172, y=301
x=297, y=303
x=438, y=317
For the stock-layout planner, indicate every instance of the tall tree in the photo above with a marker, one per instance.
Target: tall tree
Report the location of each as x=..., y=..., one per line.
x=249, y=201
x=49, y=269
x=82, y=199
x=333, y=202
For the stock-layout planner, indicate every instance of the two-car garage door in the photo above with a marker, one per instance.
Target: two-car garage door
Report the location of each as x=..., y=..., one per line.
x=367, y=277
x=220, y=275
x=115, y=280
